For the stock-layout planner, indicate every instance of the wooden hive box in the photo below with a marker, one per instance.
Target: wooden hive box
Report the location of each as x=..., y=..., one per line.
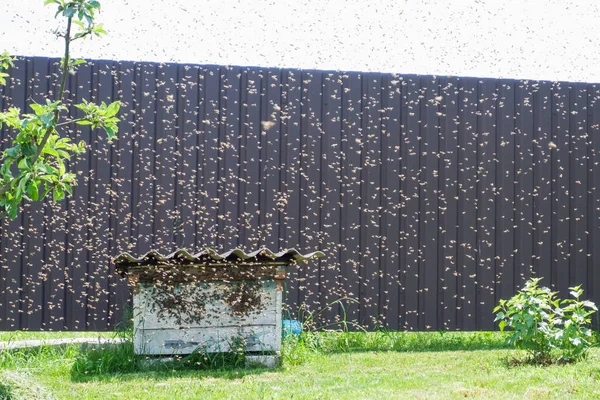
x=208, y=302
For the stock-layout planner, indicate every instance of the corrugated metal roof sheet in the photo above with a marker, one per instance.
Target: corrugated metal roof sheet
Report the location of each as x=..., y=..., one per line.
x=208, y=254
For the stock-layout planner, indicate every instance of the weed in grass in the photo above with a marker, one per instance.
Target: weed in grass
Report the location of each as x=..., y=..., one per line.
x=311, y=320
x=296, y=351
x=206, y=361
x=117, y=358
x=547, y=328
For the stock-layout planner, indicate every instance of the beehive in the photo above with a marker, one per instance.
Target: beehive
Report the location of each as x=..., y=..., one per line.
x=207, y=301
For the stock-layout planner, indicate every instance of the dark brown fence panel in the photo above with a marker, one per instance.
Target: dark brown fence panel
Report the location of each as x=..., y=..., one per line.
x=433, y=197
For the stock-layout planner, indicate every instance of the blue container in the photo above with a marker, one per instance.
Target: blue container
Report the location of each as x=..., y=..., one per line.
x=291, y=327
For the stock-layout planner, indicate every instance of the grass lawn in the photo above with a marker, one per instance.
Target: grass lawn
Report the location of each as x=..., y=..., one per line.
x=25, y=335
x=325, y=366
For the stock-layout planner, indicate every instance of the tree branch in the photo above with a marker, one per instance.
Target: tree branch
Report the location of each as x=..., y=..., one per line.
x=71, y=121
x=81, y=36
x=65, y=73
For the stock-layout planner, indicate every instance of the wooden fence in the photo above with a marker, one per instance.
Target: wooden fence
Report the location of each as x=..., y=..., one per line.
x=433, y=197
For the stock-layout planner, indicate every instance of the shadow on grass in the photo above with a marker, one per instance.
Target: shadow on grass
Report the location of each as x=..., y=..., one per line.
x=163, y=374
x=6, y=391
x=119, y=362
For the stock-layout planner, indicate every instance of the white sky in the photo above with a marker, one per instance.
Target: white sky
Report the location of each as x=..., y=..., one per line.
x=535, y=39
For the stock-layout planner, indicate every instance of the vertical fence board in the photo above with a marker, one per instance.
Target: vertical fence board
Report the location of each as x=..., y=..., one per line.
x=524, y=178
x=448, y=256
x=486, y=204
x=410, y=188
x=37, y=272
x=542, y=200
x=290, y=156
x=55, y=223
x=505, y=199
x=145, y=187
x=594, y=191
x=211, y=129
x=429, y=202
x=13, y=238
x=371, y=198
x=560, y=188
x=467, y=206
x=330, y=195
x=251, y=162
x=351, y=150
x=312, y=164
x=229, y=157
x=390, y=202
x=578, y=180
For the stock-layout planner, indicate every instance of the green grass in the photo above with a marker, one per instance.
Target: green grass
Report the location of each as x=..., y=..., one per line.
x=6, y=391
x=327, y=366
x=26, y=335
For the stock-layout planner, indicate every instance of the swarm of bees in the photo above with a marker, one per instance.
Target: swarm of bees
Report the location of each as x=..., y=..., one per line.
x=433, y=197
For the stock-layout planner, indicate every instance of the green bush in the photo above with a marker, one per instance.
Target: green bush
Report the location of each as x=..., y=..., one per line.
x=547, y=328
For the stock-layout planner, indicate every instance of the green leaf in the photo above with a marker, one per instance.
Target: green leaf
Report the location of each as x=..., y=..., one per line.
x=502, y=325
x=38, y=109
x=47, y=119
x=51, y=2
x=64, y=154
x=13, y=151
x=113, y=109
x=33, y=190
x=110, y=133
x=69, y=12
x=99, y=30
x=2, y=76
x=590, y=304
x=23, y=163
x=51, y=151
x=11, y=209
x=58, y=194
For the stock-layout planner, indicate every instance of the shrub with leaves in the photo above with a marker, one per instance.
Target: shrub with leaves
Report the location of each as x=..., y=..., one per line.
x=547, y=328
x=35, y=166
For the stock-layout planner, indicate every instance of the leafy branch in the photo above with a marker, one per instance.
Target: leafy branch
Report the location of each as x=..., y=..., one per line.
x=6, y=61
x=34, y=167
